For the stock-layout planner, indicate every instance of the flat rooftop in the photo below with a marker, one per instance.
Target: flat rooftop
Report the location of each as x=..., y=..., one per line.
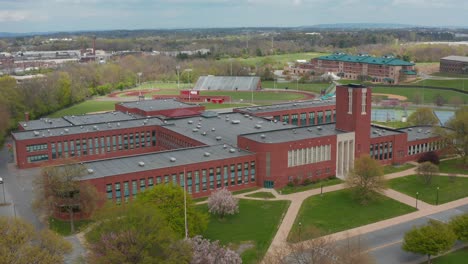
x=45, y=123
x=456, y=58
x=157, y=105
x=378, y=131
x=79, y=120
x=153, y=161
x=223, y=128
x=418, y=132
x=71, y=130
x=293, y=134
x=286, y=106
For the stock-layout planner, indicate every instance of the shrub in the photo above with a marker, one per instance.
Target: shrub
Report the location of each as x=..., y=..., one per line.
x=430, y=156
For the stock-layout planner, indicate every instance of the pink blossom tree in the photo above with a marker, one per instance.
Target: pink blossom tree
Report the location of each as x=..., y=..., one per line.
x=222, y=203
x=207, y=252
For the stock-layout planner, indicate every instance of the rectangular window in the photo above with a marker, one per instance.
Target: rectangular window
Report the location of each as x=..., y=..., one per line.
x=204, y=188
x=126, y=191
x=252, y=171
x=150, y=182
x=226, y=175
x=211, y=175
x=142, y=185
x=363, y=103
x=239, y=173
x=197, y=181
x=189, y=181
x=181, y=180
x=118, y=194
x=174, y=178
x=246, y=172
x=233, y=175
x=109, y=191
x=218, y=177
x=134, y=187
x=350, y=101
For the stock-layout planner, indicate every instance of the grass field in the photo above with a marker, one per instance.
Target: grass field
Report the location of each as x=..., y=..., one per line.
x=257, y=96
x=301, y=188
x=426, y=94
x=452, y=166
x=310, y=87
x=338, y=211
x=265, y=195
x=255, y=224
x=451, y=75
x=392, y=124
x=63, y=227
x=86, y=107
x=392, y=169
x=461, y=84
x=277, y=61
x=449, y=189
x=457, y=257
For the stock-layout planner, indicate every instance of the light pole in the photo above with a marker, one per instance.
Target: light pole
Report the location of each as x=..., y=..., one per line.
x=3, y=186
x=437, y=200
x=139, y=84
x=178, y=68
x=417, y=196
x=300, y=230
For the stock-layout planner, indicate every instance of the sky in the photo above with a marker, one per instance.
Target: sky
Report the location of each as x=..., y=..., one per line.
x=75, y=15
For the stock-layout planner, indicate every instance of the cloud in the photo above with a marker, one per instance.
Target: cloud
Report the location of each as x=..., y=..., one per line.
x=13, y=16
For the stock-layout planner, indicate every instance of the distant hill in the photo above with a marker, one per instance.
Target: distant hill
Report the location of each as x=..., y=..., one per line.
x=361, y=26
x=25, y=34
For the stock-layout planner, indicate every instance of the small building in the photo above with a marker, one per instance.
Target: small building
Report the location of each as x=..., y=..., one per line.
x=228, y=83
x=454, y=64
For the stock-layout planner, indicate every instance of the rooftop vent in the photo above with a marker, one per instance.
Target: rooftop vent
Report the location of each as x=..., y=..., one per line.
x=232, y=150
x=95, y=128
x=172, y=159
x=25, y=125
x=262, y=136
x=141, y=164
x=218, y=138
x=224, y=146
x=66, y=130
x=258, y=126
x=195, y=130
x=410, y=129
x=36, y=133
x=235, y=122
x=118, y=124
x=294, y=131
x=81, y=127
x=419, y=130
x=190, y=122
x=206, y=154
x=90, y=171
x=198, y=126
x=246, y=115
x=319, y=128
x=204, y=133
x=213, y=129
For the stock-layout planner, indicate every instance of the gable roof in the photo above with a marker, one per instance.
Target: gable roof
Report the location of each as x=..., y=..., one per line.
x=390, y=61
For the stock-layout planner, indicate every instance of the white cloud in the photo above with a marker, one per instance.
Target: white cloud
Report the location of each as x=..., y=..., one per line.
x=13, y=16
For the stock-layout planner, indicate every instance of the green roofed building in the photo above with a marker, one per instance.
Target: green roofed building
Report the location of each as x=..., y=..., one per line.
x=386, y=69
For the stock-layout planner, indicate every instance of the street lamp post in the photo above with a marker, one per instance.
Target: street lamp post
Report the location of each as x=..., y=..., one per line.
x=3, y=186
x=300, y=230
x=178, y=68
x=437, y=200
x=417, y=196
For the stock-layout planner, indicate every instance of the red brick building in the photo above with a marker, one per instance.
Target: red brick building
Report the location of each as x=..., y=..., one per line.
x=266, y=146
x=454, y=64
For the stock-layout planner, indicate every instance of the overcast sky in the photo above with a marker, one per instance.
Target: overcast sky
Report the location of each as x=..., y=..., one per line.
x=70, y=15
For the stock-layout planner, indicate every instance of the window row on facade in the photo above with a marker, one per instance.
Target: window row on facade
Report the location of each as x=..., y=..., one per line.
x=381, y=151
x=36, y=147
x=196, y=181
x=311, y=118
x=98, y=145
x=310, y=155
x=425, y=147
x=169, y=141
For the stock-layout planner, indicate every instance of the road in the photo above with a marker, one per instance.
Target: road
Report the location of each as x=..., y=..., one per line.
x=385, y=244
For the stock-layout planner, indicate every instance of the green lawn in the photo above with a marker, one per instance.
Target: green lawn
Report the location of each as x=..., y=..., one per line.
x=392, y=124
x=265, y=195
x=301, y=188
x=451, y=75
x=310, y=87
x=455, y=83
x=457, y=257
x=426, y=94
x=256, y=223
x=338, y=211
x=209, y=106
x=450, y=189
x=397, y=168
x=452, y=166
x=246, y=190
x=277, y=61
x=63, y=227
x=257, y=96
x=86, y=107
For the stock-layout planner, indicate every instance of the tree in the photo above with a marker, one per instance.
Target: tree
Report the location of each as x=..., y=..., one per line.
x=322, y=250
x=457, y=135
x=430, y=156
x=59, y=188
x=221, y=202
x=207, y=252
x=426, y=171
x=366, y=178
x=432, y=239
x=20, y=243
x=169, y=200
x=423, y=116
x=459, y=225
x=135, y=233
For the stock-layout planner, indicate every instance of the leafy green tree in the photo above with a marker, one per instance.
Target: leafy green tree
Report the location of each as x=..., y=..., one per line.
x=459, y=225
x=423, y=116
x=20, y=243
x=457, y=135
x=366, y=178
x=60, y=188
x=135, y=233
x=432, y=239
x=169, y=200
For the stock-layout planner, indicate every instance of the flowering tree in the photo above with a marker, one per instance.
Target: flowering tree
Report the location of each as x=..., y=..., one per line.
x=207, y=252
x=222, y=203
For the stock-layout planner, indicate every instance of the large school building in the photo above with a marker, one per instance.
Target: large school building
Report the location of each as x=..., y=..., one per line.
x=159, y=141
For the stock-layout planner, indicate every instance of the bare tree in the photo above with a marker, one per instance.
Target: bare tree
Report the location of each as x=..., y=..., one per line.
x=222, y=203
x=427, y=170
x=60, y=188
x=323, y=250
x=207, y=252
x=366, y=178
